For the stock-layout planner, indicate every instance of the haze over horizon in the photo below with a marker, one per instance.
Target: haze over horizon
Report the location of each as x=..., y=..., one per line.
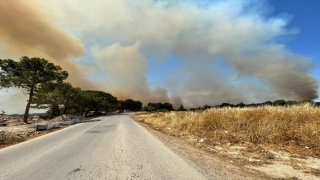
x=182, y=52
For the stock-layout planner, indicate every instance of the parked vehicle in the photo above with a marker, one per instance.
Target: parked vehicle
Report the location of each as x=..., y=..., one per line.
x=119, y=111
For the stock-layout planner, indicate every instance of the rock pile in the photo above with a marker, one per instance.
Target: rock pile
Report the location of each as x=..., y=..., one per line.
x=65, y=117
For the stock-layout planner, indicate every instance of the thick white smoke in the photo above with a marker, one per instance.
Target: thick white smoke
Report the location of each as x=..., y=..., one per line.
x=213, y=46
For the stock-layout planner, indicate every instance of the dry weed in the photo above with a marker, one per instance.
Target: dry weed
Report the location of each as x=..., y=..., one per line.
x=295, y=129
x=11, y=138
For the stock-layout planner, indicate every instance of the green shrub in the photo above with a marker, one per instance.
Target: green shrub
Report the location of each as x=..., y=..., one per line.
x=163, y=110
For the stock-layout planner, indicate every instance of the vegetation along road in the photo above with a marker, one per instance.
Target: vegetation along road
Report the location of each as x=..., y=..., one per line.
x=110, y=147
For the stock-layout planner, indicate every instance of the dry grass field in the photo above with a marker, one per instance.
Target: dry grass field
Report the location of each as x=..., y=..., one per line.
x=281, y=141
x=295, y=129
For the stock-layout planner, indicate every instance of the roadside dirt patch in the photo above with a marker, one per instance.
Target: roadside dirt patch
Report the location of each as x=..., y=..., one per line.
x=17, y=131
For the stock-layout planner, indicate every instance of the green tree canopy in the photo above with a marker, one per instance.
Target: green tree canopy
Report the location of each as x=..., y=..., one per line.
x=130, y=104
x=55, y=95
x=168, y=106
x=147, y=108
x=48, y=95
x=181, y=108
x=96, y=101
x=29, y=74
x=138, y=105
x=279, y=102
x=241, y=105
x=267, y=103
x=159, y=105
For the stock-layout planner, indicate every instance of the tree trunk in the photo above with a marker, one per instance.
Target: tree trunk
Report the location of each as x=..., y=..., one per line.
x=83, y=110
x=96, y=111
x=51, y=111
x=65, y=107
x=57, y=106
x=26, y=113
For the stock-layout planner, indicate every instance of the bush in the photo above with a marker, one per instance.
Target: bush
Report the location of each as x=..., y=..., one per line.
x=163, y=110
x=147, y=108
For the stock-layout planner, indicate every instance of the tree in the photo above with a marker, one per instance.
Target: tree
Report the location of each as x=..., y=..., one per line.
x=130, y=104
x=55, y=95
x=181, y=108
x=28, y=74
x=84, y=102
x=150, y=108
x=279, y=102
x=241, y=105
x=138, y=105
x=206, y=106
x=267, y=103
x=48, y=94
x=168, y=106
x=225, y=105
x=105, y=101
x=68, y=95
x=290, y=103
x=96, y=101
x=159, y=105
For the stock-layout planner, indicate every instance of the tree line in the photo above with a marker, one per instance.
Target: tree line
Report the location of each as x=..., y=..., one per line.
x=157, y=107
x=44, y=83
x=279, y=102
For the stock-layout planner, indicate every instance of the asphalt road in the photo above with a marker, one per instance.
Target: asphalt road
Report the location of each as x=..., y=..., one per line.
x=112, y=147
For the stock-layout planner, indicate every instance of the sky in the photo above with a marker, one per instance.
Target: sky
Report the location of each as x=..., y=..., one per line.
x=183, y=52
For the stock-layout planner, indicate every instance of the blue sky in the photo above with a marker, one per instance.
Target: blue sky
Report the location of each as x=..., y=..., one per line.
x=306, y=18
x=183, y=52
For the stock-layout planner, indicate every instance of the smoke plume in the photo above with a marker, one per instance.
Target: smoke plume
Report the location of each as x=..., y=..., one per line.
x=24, y=30
x=205, y=54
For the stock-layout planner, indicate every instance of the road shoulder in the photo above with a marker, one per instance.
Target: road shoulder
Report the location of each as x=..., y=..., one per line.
x=205, y=162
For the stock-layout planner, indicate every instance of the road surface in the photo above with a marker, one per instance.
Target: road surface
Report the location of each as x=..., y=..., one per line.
x=111, y=147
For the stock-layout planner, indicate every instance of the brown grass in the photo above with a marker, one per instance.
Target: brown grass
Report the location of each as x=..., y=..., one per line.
x=11, y=138
x=295, y=129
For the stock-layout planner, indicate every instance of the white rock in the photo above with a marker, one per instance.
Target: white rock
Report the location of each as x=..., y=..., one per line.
x=237, y=147
x=218, y=148
x=254, y=160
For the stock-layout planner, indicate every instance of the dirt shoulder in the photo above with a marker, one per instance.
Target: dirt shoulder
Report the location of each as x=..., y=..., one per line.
x=17, y=131
x=208, y=164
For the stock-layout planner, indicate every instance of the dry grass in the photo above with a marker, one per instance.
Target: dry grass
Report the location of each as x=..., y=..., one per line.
x=11, y=138
x=295, y=129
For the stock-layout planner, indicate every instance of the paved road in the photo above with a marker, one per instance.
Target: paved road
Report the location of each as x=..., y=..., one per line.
x=112, y=147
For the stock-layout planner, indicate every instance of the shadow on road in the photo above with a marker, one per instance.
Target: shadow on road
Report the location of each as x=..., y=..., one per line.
x=122, y=114
x=93, y=120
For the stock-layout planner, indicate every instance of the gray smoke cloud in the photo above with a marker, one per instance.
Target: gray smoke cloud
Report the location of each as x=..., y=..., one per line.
x=25, y=31
x=225, y=50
